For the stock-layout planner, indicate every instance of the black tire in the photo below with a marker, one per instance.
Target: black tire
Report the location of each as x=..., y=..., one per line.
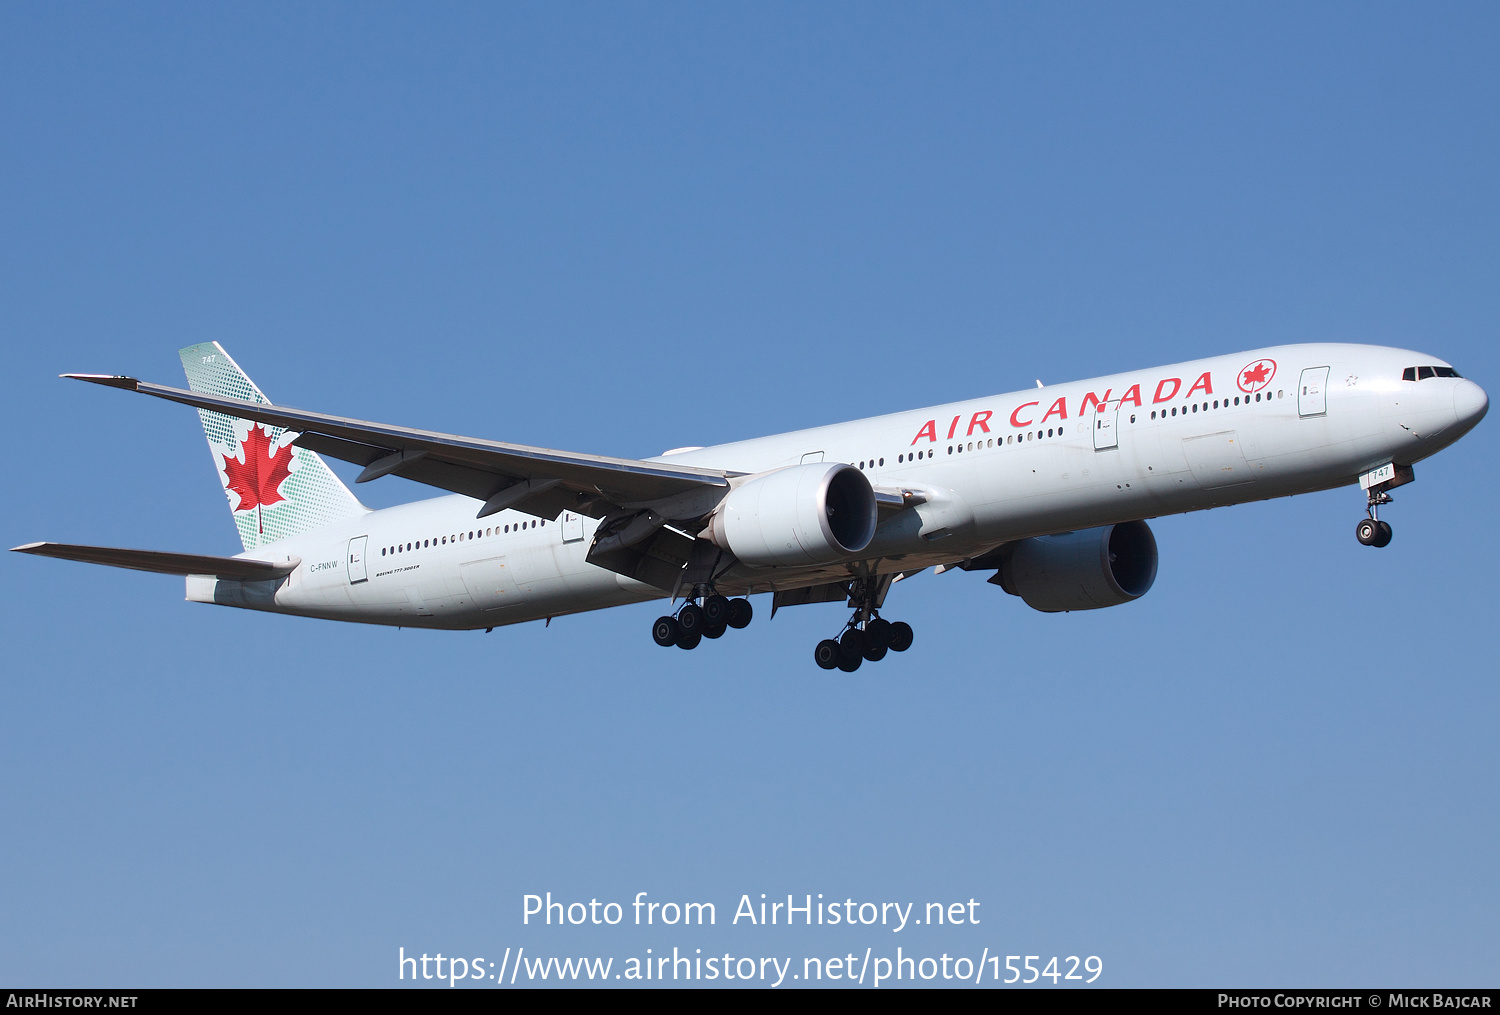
x=849, y=663
x=875, y=653
x=852, y=642
x=714, y=630
x=1367, y=531
x=689, y=641
x=740, y=612
x=901, y=636
x=716, y=610
x=877, y=635
x=691, y=619
x=1383, y=538
x=828, y=654
x=666, y=631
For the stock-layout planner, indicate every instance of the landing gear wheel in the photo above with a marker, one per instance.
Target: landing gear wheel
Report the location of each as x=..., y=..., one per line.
x=691, y=619
x=1384, y=537
x=828, y=653
x=666, y=631
x=874, y=654
x=740, y=612
x=852, y=642
x=715, y=630
x=715, y=610
x=901, y=636
x=689, y=641
x=849, y=663
x=877, y=636
x=1367, y=531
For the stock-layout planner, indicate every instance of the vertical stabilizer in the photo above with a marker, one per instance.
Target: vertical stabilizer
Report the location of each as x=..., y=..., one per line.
x=275, y=490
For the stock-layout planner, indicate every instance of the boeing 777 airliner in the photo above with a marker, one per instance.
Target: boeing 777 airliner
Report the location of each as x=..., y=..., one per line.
x=1048, y=488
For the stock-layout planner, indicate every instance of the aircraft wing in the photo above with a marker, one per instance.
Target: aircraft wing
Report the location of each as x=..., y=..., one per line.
x=165, y=563
x=539, y=481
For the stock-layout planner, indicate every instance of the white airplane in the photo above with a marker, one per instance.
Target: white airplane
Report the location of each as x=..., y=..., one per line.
x=1046, y=487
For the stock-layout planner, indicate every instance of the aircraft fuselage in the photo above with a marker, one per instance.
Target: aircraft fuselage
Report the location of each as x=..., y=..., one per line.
x=1226, y=430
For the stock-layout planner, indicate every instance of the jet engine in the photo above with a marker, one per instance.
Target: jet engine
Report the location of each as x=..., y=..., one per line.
x=806, y=514
x=1083, y=570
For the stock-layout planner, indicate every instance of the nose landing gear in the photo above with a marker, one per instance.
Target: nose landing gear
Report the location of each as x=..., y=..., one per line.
x=704, y=615
x=1377, y=484
x=1372, y=531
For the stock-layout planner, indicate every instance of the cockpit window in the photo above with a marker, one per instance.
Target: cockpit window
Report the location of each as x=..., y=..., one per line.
x=1422, y=373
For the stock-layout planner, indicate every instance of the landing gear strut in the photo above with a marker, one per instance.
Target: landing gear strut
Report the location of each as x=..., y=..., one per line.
x=705, y=614
x=1372, y=531
x=867, y=636
x=1377, y=484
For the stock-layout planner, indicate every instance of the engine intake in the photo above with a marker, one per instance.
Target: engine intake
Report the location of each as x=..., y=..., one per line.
x=807, y=514
x=1084, y=570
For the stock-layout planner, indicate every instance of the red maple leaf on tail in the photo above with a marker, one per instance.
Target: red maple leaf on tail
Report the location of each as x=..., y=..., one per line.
x=258, y=479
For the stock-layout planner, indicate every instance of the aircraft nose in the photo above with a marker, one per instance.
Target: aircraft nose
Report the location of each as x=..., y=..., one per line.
x=1470, y=403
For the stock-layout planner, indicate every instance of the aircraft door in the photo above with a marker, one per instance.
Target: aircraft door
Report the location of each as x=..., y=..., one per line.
x=572, y=527
x=1106, y=427
x=357, y=560
x=1312, y=392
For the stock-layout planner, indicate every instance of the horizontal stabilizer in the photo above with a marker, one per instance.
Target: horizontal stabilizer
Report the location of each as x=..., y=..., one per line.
x=237, y=568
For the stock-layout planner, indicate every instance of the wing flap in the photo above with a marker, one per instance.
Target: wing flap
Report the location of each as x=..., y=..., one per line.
x=161, y=562
x=344, y=451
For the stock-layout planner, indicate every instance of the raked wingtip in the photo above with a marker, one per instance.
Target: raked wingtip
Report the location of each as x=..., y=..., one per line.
x=109, y=380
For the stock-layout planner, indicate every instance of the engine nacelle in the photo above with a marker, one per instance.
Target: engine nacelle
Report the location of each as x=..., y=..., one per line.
x=807, y=514
x=1083, y=570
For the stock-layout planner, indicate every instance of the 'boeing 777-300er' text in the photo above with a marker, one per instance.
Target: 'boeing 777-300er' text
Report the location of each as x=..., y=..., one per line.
x=1047, y=488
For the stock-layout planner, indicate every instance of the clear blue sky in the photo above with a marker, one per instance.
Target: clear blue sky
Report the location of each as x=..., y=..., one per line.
x=623, y=228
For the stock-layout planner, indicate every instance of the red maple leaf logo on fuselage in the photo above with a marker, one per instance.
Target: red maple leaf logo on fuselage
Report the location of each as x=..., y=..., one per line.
x=258, y=478
x=1257, y=375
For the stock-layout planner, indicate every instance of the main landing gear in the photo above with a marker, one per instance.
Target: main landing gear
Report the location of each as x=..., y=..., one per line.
x=705, y=615
x=1372, y=531
x=866, y=636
